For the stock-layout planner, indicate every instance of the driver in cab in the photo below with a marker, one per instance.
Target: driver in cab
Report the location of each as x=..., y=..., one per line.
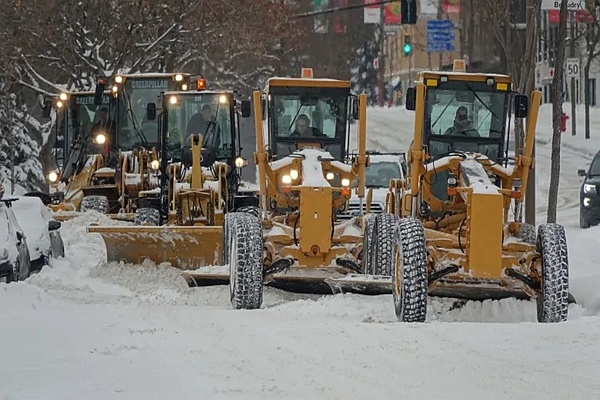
x=303, y=128
x=462, y=126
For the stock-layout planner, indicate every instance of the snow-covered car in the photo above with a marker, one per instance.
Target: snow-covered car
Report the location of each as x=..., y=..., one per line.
x=43, y=233
x=382, y=168
x=15, y=263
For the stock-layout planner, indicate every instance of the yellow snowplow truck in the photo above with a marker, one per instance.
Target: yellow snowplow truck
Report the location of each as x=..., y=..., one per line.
x=129, y=142
x=459, y=232
x=77, y=156
x=199, y=172
x=306, y=176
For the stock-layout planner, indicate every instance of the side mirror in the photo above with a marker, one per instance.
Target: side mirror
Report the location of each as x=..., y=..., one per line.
x=521, y=106
x=151, y=111
x=53, y=225
x=411, y=97
x=246, y=108
x=99, y=92
x=264, y=108
x=47, y=109
x=581, y=172
x=355, y=115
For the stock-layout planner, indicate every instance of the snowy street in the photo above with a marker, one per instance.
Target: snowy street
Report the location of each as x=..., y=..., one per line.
x=82, y=329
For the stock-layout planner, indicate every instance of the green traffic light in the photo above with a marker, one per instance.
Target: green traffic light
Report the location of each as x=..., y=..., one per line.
x=407, y=48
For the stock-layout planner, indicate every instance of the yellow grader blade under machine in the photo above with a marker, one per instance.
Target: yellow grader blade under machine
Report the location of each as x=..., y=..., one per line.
x=459, y=230
x=306, y=175
x=180, y=221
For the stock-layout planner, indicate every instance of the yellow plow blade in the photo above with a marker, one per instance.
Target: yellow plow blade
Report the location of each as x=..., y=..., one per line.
x=185, y=247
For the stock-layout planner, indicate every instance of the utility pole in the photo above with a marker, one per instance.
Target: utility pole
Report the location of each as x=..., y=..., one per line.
x=381, y=52
x=439, y=16
x=573, y=90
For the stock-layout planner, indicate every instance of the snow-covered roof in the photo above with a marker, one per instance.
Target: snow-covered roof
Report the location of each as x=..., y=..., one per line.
x=457, y=73
x=196, y=92
x=153, y=75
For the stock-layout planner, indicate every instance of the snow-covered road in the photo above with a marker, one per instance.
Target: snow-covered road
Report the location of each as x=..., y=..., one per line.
x=86, y=330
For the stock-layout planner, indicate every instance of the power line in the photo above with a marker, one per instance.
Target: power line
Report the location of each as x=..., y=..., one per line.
x=335, y=9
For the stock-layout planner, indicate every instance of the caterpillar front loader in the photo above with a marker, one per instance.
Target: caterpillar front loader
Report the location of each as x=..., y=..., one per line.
x=305, y=173
x=78, y=158
x=460, y=232
x=199, y=169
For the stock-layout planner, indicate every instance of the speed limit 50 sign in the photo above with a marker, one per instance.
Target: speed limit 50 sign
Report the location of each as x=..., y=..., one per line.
x=572, y=67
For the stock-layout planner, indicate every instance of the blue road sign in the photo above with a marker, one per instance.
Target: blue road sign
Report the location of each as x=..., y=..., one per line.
x=440, y=36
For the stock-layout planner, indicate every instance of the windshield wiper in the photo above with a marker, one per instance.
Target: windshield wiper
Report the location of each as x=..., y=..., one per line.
x=481, y=101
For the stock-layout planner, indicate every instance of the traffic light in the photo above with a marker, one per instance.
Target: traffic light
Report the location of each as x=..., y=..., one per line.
x=409, y=12
x=407, y=49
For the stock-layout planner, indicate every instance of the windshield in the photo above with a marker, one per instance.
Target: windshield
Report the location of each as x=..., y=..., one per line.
x=379, y=174
x=134, y=127
x=85, y=119
x=466, y=113
x=595, y=168
x=208, y=114
x=300, y=116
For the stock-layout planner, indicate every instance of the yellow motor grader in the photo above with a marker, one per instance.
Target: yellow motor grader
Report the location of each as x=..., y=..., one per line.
x=460, y=232
x=199, y=171
x=130, y=162
x=77, y=156
x=296, y=242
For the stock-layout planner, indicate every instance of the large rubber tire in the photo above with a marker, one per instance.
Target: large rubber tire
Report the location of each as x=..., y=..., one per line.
x=409, y=278
x=94, y=203
x=245, y=261
x=584, y=221
x=225, y=237
x=252, y=210
x=366, y=258
x=382, y=252
x=147, y=216
x=553, y=298
x=528, y=234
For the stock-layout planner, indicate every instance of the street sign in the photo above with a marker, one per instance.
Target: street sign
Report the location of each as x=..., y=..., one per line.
x=572, y=5
x=440, y=36
x=572, y=67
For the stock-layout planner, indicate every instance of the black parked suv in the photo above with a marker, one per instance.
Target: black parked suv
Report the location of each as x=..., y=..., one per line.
x=589, y=198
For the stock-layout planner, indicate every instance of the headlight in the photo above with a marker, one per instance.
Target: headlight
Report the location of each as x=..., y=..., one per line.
x=155, y=164
x=119, y=79
x=3, y=254
x=294, y=174
x=178, y=77
x=223, y=99
x=240, y=162
x=586, y=202
x=345, y=182
x=184, y=87
x=59, y=104
x=286, y=179
x=53, y=176
x=100, y=138
x=173, y=100
x=587, y=188
x=63, y=96
x=330, y=176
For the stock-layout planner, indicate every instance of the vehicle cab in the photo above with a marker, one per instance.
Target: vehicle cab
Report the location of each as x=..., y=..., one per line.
x=307, y=112
x=589, y=198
